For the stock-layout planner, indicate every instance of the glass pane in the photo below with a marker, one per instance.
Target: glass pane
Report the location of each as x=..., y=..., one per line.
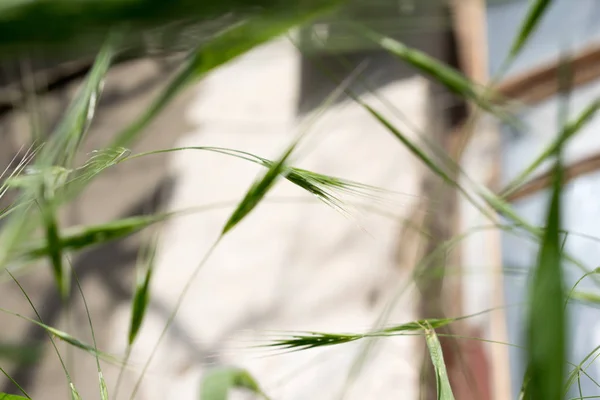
x=568, y=24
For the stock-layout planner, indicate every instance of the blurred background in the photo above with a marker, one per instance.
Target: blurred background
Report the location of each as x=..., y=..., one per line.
x=462, y=102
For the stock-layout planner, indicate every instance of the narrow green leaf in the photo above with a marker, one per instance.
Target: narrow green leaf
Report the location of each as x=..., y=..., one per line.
x=11, y=396
x=37, y=314
x=534, y=16
x=69, y=134
x=257, y=191
x=586, y=297
x=442, y=73
x=141, y=296
x=566, y=133
x=579, y=369
x=6, y=396
x=102, y=383
x=546, y=331
x=407, y=143
x=73, y=24
x=103, y=387
x=65, y=337
x=84, y=237
x=58, y=151
x=217, y=383
x=223, y=48
x=492, y=200
x=54, y=249
x=74, y=393
x=444, y=390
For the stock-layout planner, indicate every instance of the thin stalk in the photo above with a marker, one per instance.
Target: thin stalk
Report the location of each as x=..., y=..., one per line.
x=173, y=314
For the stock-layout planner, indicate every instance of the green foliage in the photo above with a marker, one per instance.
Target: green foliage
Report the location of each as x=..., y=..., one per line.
x=570, y=129
x=141, y=296
x=81, y=24
x=5, y=396
x=51, y=180
x=533, y=18
x=444, y=391
x=440, y=72
x=546, y=333
x=257, y=191
x=217, y=383
x=224, y=47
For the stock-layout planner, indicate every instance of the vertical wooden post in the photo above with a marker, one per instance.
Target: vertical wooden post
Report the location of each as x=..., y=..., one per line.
x=471, y=31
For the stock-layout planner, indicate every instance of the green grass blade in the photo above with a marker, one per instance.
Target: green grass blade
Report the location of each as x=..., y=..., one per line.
x=309, y=340
x=37, y=314
x=257, y=191
x=74, y=393
x=141, y=296
x=580, y=368
x=6, y=396
x=55, y=253
x=444, y=390
x=226, y=46
x=70, y=132
x=101, y=381
x=567, y=133
x=534, y=16
x=546, y=331
x=442, y=73
x=217, y=383
x=65, y=337
x=416, y=150
x=324, y=187
x=75, y=24
x=81, y=238
x=58, y=151
x=260, y=188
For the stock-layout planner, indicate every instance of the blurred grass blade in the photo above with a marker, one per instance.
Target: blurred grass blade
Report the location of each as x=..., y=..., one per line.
x=223, y=48
x=444, y=390
x=533, y=18
x=58, y=151
x=99, y=161
x=74, y=393
x=101, y=381
x=587, y=297
x=69, y=134
x=442, y=73
x=55, y=253
x=26, y=354
x=81, y=238
x=6, y=396
x=579, y=369
x=524, y=384
x=73, y=24
x=408, y=143
x=567, y=133
x=65, y=337
x=217, y=383
x=37, y=314
x=12, y=396
x=103, y=387
x=546, y=331
x=141, y=296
